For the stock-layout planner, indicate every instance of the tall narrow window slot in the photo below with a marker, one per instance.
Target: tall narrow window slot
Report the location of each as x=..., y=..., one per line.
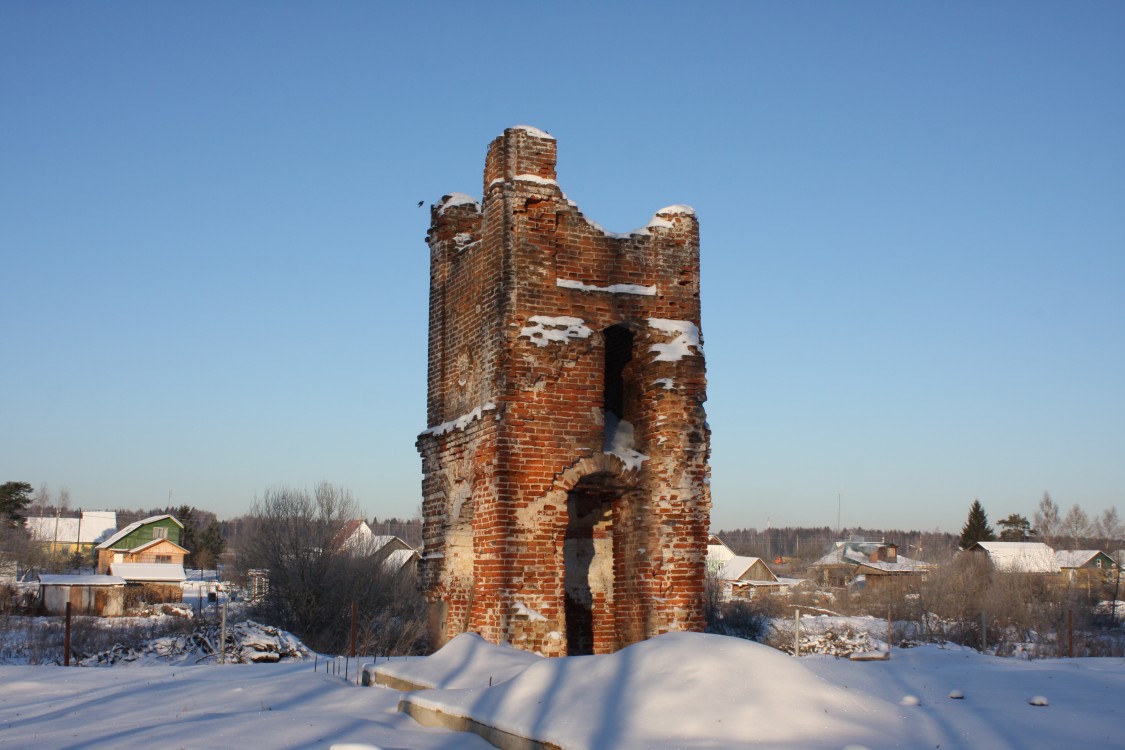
x=618, y=354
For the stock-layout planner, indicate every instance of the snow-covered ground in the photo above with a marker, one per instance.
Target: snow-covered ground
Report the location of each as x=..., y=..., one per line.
x=678, y=690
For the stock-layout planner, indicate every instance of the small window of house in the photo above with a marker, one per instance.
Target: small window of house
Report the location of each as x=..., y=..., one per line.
x=163, y=558
x=159, y=532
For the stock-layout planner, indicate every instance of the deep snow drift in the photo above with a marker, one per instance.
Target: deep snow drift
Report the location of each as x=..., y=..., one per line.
x=678, y=690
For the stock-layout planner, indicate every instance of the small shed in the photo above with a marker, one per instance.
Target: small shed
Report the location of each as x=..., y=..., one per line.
x=152, y=583
x=103, y=596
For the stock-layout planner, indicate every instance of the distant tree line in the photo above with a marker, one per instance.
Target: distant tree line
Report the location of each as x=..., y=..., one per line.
x=1073, y=530
x=807, y=543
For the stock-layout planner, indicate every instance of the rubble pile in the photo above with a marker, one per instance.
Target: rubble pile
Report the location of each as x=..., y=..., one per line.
x=246, y=642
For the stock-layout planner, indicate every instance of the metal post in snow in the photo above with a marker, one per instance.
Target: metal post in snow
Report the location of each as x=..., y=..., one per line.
x=352, y=654
x=796, y=631
x=890, y=632
x=66, y=638
x=223, y=634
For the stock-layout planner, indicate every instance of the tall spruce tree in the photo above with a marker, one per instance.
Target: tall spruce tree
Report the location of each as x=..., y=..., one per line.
x=14, y=499
x=976, y=528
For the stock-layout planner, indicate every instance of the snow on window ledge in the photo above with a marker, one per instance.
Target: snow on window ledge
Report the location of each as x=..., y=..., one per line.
x=522, y=610
x=544, y=329
x=524, y=178
x=461, y=422
x=647, y=291
x=619, y=442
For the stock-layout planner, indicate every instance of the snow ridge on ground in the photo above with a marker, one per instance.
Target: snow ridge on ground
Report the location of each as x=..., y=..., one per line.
x=680, y=690
x=467, y=661
x=673, y=691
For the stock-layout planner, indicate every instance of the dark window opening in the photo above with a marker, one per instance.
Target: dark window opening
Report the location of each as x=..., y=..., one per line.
x=618, y=354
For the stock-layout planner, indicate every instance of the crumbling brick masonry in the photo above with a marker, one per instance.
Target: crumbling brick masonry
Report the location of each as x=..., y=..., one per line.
x=565, y=492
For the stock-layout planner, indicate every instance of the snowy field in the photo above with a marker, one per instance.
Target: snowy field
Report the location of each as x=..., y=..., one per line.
x=679, y=690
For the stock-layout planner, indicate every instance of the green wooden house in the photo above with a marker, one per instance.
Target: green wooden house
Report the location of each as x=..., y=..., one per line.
x=152, y=540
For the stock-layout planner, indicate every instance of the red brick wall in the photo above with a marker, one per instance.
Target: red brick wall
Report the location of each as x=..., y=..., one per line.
x=516, y=410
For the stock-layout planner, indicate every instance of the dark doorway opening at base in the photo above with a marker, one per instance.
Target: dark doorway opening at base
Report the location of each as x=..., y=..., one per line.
x=588, y=557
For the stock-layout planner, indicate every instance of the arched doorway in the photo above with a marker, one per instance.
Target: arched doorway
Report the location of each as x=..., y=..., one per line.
x=589, y=566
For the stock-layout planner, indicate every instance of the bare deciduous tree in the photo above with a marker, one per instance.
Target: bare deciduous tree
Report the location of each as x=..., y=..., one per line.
x=1075, y=526
x=1110, y=530
x=313, y=582
x=1046, y=520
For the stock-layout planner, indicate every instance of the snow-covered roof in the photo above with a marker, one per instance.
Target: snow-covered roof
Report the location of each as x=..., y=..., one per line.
x=847, y=553
x=169, y=572
x=1020, y=557
x=717, y=550
x=354, y=533
x=1075, y=558
x=902, y=565
x=93, y=526
x=78, y=580
x=400, y=557
x=739, y=566
x=108, y=543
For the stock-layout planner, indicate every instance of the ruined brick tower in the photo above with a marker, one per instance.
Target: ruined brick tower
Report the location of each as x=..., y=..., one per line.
x=565, y=492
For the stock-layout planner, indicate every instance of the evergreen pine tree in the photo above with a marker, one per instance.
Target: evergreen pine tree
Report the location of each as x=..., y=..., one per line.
x=976, y=528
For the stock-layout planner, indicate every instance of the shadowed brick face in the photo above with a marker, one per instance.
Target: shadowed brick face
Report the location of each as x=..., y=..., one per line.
x=547, y=524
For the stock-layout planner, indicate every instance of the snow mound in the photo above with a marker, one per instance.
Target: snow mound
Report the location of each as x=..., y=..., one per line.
x=678, y=690
x=467, y=661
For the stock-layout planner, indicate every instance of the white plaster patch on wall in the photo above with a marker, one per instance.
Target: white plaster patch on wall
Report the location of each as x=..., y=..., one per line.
x=646, y=291
x=686, y=338
x=462, y=421
x=544, y=329
x=667, y=384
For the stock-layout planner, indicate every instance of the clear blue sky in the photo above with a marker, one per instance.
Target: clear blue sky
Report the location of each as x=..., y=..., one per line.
x=913, y=236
